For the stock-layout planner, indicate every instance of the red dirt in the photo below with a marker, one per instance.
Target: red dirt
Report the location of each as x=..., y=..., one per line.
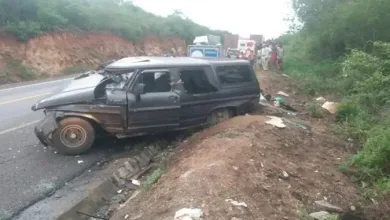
x=243, y=159
x=52, y=53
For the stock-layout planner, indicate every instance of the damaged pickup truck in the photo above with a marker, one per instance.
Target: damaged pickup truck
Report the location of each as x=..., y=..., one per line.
x=146, y=95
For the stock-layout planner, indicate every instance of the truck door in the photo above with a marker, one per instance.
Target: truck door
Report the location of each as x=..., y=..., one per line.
x=157, y=107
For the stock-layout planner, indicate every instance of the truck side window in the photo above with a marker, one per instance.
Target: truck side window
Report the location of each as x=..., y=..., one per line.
x=229, y=75
x=196, y=82
x=156, y=82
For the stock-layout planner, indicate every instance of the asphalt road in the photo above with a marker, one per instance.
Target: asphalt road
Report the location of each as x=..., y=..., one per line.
x=28, y=170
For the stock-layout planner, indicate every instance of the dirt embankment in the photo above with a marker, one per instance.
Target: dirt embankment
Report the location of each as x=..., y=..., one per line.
x=246, y=169
x=64, y=52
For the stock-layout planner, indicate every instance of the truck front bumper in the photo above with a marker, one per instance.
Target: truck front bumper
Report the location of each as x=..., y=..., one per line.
x=44, y=129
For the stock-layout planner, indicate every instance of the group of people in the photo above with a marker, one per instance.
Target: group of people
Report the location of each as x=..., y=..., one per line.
x=270, y=54
x=266, y=55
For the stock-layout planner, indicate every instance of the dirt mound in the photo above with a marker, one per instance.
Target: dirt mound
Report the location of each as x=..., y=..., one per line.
x=245, y=160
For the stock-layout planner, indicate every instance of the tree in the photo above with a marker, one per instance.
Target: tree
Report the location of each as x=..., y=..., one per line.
x=29, y=18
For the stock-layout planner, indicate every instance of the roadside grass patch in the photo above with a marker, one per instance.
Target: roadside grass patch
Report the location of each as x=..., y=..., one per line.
x=153, y=178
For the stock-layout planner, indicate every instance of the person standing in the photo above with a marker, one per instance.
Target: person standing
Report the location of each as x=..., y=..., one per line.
x=279, y=56
x=258, y=56
x=252, y=58
x=273, y=54
x=265, y=55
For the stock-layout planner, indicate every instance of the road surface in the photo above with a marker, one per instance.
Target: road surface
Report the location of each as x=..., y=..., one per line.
x=28, y=170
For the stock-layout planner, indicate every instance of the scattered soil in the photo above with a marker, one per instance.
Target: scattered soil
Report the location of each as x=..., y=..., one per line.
x=244, y=159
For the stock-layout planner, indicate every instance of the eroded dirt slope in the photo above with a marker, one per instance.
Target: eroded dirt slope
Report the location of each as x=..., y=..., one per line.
x=245, y=160
x=53, y=53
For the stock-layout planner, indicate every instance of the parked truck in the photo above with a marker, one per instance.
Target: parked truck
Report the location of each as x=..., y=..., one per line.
x=233, y=41
x=206, y=46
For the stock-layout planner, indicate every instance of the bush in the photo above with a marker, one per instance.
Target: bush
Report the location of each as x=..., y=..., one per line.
x=24, y=30
x=374, y=158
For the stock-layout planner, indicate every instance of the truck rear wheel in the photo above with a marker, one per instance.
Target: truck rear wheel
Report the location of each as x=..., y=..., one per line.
x=219, y=115
x=73, y=136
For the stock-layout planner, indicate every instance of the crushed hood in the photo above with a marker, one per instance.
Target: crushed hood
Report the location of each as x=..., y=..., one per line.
x=79, y=90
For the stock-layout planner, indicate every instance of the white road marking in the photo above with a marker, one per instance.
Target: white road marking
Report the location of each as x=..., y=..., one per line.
x=18, y=127
x=36, y=84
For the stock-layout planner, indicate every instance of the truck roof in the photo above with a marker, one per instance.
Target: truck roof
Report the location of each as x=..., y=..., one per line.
x=143, y=62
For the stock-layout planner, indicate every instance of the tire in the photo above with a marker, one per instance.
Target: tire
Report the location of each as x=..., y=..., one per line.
x=73, y=136
x=219, y=115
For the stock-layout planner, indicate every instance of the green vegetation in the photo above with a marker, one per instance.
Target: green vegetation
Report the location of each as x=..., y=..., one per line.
x=153, y=178
x=17, y=69
x=29, y=18
x=341, y=48
x=315, y=110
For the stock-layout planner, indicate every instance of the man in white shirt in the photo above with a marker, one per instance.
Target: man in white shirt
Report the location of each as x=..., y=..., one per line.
x=265, y=55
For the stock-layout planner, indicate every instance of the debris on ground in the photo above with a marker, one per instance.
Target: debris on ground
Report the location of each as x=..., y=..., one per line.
x=262, y=98
x=189, y=214
x=276, y=121
x=322, y=215
x=80, y=161
x=235, y=203
x=265, y=104
x=321, y=99
x=328, y=207
x=330, y=106
x=282, y=93
x=136, y=182
x=298, y=124
x=278, y=101
x=284, y=175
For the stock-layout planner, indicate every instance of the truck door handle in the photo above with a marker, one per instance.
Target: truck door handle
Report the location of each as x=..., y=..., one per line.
x=172, y=97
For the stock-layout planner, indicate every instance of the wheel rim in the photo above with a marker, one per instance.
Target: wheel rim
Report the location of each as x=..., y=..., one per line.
x=222, y=115
x=73, y=136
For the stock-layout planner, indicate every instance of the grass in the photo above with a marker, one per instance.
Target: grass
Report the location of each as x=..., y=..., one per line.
x=15, y=67
x=315, y=110
x=153, y=178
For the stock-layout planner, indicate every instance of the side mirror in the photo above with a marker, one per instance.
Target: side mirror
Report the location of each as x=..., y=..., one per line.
x=139, y=89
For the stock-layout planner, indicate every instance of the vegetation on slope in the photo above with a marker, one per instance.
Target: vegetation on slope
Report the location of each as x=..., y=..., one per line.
x=29, y=18
x=341, y=49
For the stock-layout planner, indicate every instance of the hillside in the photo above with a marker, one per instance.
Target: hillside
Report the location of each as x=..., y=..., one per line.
x=40, y=38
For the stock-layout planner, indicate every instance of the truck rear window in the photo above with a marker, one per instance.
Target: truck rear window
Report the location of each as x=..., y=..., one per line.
x=234, y=74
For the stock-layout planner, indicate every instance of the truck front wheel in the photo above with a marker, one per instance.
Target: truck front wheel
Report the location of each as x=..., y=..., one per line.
x=73, y=136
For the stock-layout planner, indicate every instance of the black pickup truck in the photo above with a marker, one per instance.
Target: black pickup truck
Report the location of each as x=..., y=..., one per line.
x=145, y=95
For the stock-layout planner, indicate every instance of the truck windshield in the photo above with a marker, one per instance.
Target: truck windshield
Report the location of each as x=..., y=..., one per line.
x=120, y=80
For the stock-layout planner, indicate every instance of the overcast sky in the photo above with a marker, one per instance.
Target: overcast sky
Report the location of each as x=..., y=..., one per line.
x=242, y=17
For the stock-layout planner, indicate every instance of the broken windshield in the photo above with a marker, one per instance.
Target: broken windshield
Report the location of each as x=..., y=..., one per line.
x=120, y=80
